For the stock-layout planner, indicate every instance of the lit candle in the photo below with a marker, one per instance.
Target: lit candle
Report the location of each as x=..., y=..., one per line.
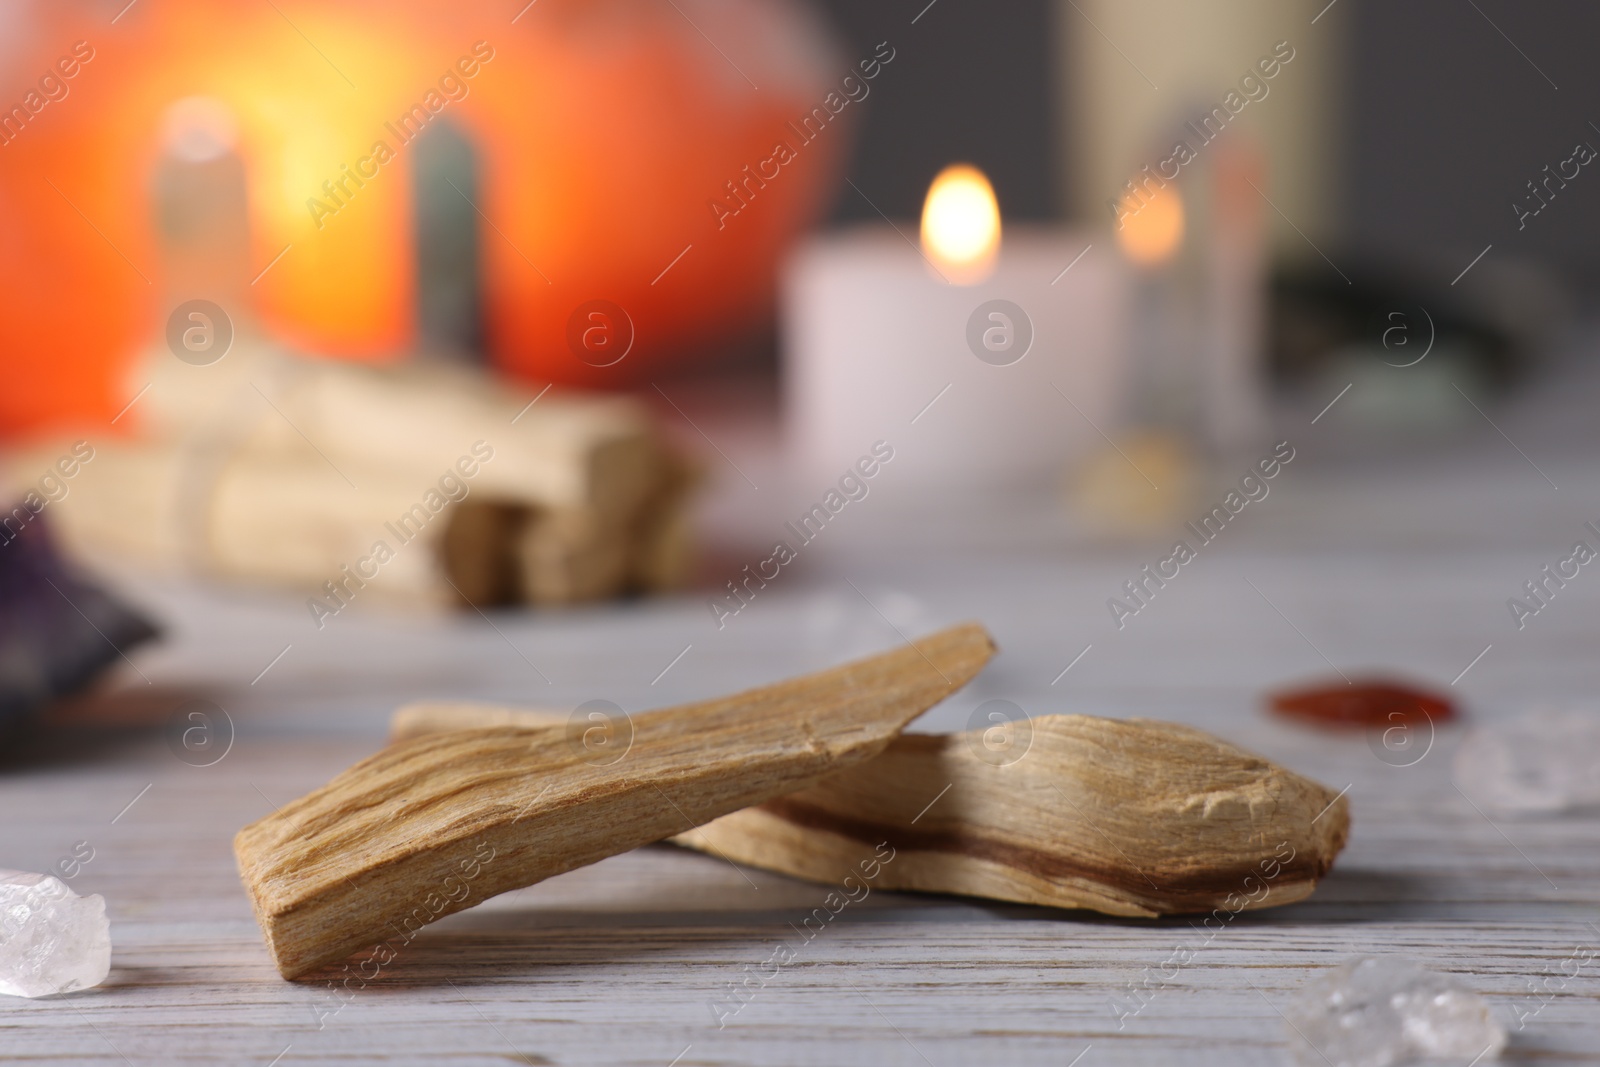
x=1150, y=232
x=981, y=362
x=961, y=225
x=1198, y=300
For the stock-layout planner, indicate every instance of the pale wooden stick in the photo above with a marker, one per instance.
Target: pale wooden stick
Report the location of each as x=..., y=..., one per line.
x=438, y=823
x=564, y=449
x=439, y=717
x=282, y=518
x=567, y=555
x=662, y=545
x=1129, y=817
x=478, y=551
x=564, y=556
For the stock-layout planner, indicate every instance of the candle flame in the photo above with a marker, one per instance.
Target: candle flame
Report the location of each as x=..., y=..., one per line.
x=1151, y=225
x=961, y=224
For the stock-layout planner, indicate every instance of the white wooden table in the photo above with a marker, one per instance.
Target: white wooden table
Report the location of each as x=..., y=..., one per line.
x=1399, y=560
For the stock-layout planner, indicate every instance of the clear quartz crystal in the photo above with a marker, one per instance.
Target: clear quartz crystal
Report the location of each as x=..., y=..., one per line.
x=51, y=939
x=1375, y=1012
x=1545, y=762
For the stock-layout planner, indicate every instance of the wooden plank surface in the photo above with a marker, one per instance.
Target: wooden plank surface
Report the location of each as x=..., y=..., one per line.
x=625, y=961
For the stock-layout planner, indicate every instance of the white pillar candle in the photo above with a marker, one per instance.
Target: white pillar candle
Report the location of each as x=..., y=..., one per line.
x=970, y=393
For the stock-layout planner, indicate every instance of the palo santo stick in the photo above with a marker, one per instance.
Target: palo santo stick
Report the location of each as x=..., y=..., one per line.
x=1130, y=817
x=662, y=543
x=282, y=518
x=438, y=823
x=440, y=717
x=570, y=449
x=568, y=556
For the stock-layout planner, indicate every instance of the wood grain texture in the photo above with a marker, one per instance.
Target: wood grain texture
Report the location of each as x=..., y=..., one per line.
x=569, y=449
x=439, y=823
x=1403, y=564
x=616, y=963
x=1128, y=817
x=446, y=716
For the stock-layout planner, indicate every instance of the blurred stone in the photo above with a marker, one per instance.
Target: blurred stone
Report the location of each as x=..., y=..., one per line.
x=1546, y=762
x=1365, y=702
x=1375, y=1012
x=1145, y=485
x=58, y=631
x=51, y=939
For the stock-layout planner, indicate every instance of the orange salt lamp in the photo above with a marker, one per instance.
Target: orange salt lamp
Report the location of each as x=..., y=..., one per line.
x=625, y=163
x=606, y=136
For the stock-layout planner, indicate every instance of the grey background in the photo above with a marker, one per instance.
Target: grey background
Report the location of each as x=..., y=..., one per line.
x=970, y=82
x=1444, y=123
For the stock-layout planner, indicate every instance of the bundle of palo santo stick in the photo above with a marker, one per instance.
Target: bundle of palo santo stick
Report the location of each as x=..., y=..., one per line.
x=423, y=482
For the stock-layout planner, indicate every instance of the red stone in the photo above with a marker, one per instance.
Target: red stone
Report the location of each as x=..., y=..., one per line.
x=1362, y=703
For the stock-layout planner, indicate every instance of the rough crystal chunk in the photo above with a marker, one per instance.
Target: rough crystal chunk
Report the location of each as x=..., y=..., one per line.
x=1546, y=762
x=1377, y=1012
x=51, y=939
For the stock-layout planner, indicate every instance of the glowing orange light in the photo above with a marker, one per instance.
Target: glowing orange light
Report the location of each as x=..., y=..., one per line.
x=961, y=224
x=198, y=129
x=1152, y=225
